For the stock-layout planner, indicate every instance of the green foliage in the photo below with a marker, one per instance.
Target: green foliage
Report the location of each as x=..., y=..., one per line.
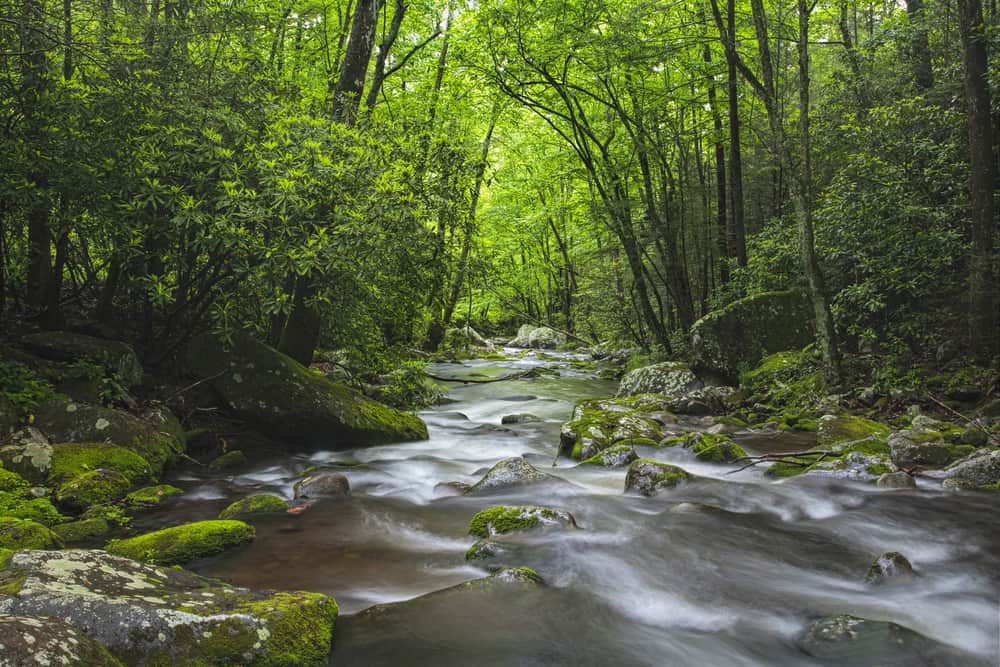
x=22, y=387
x=409, y=388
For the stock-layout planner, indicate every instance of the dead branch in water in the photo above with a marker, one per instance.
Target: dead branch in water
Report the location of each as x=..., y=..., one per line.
x=785, y=457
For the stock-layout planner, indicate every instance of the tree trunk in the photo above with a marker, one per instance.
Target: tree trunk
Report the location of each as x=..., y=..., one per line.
x=722, y=231
x=983, y=335
x=920, y=52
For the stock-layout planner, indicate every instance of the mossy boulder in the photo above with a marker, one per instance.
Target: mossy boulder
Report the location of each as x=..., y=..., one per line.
x=288, y=400
x=148, y=615
x=511, y=473
x=833, y=430
x=726, y=341
x=597, y=424
x=151, y=496
x=29, y=454
x=231, y=459
x=11, y=482
x=647, y=477
x=94, y=487
x=890, y=565
x=786, y=386
x=85, y=530
x=979, y=470
x=708, y=447
x=461, y=339
x=70, y=460
x=181, y=544
x=510, y=518
x=671, y=378
x=45, y=640
x=539, y=338
x=261, y=503
x=616, y=456
x=158, y=442
x=26, y=534
x=116, y=357
x=23, y=505
x=928, y=443
x=851, y=448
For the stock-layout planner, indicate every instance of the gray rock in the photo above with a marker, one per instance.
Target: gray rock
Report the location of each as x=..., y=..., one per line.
x=30, y=641
x=859, y=642
x=890, y=565
x=323, y=484
x=671, y=378
x=464, y=338
x=648, y=477
x=538, y=338
x=520, y=418
x=980, y=469
x=896, y=480
x=910, y=448
x=616, y=456
x=159, y=615
x=511, y=472
x=745, y=331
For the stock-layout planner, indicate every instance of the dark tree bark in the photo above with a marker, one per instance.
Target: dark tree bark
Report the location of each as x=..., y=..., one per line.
x=722, y=231
x=920, y=53
x=983, y=333
x=378, y=76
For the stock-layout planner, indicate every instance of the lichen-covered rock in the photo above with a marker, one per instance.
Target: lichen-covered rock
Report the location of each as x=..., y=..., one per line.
x=648, y=477
x=26, y=534
x=896, y=480
x=509, y=518
x=27, y=641
x=147, y=615
x=262, y=503
x=231, y=459
x=508, y=473
x=286, y=399
x=69, y=421
x=980, y=469
x=152, y=496
x=539, y=338
x=117, y=357
x=323, y=484
x=671, y=378
x=182, y=544
x=889, y=565
x=741, y=334
x=85, y=530
x=616, y=456
x=484, y=549
x=29, y=454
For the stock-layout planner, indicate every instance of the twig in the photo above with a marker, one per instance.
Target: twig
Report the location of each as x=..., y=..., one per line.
x=973, y=422
x=192, y=386
x=784, y=457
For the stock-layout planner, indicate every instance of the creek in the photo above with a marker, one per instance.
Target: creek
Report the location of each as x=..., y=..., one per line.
x=728, y=570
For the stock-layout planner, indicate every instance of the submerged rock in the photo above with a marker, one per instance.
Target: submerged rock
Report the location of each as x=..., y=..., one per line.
x=262, y=503
x=510, y=518
x=520, y=418
x=147, y=615
x=323, y=484
x=511, y=472
x=889, y=565
x=896, y=480
x=44, y=640
x=745, y=331
x=181, y=544
x=648, y=477
x=116, y=357
x=850, y=640
x=288, y=400
x=671, y=378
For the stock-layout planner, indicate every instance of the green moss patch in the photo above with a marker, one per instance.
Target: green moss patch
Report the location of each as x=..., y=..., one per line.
x=232, y=459
x=262, y=503
x=23, y=506
x=86, y=530
x=152, y=496
x=181, y=544
x=648, y=477
x=71, y=459
x=506, y=519
x=26, y=534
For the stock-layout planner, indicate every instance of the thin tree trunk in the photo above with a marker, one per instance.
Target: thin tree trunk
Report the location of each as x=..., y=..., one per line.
x=722, y=231
x=920, y=52
x=383, y=55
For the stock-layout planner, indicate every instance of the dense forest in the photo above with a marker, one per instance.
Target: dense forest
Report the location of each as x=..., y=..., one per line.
x=244, y=244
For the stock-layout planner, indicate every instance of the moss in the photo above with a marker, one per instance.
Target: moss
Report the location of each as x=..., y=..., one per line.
x=300, y=626
x=70, y=460
x=482, y=549
x=26, y=534
x=878, y=469
x=835, y=430
x=76, y=532
x=94, y=487
x=12, y=482
x=789, y=382
x=636, y=442
x=613, y=457
x=22, y=506
x=599, y=423
x=181, y=544
x=231, y=459
x=782, y=469
x=152, y=496
x=506, y=519
x=713, y=448
x=731, y=420
x=648, y=477
x=262, y=503
x=5, y=556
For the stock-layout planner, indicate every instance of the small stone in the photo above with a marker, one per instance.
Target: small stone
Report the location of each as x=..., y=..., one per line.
x=520, y=418
x=896, y=480
x=231, y=459
x=510, y=472
x=323, y=484
x=889, y=565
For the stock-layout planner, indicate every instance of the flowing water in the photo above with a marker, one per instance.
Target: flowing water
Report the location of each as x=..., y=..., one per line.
x=728, y=570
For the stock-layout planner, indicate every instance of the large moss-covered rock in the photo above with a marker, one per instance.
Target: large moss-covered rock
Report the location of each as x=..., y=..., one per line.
x=26, y=534
x=671, y=378
x=68, y=421
x=539, y=338
x=95, y=487
x=181, y=544
x=709, y=447
x=117, y=357
x=29, y=454
x=22, y=504
x=849, y=447
x=509, y=473
x=509, y=518
x=600, y=423
x=729, y=340
x=648, y=477
x=980, y=469
x=616, y=456
x=928, y=443
x=154, y=616
x=86, y=530
x=286, y=399
x=43, y=640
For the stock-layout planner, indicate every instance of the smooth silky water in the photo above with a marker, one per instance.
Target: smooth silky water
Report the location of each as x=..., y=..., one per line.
x=724, y=571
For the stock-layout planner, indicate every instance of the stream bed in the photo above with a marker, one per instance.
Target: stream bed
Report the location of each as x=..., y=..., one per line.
x=728, y=570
